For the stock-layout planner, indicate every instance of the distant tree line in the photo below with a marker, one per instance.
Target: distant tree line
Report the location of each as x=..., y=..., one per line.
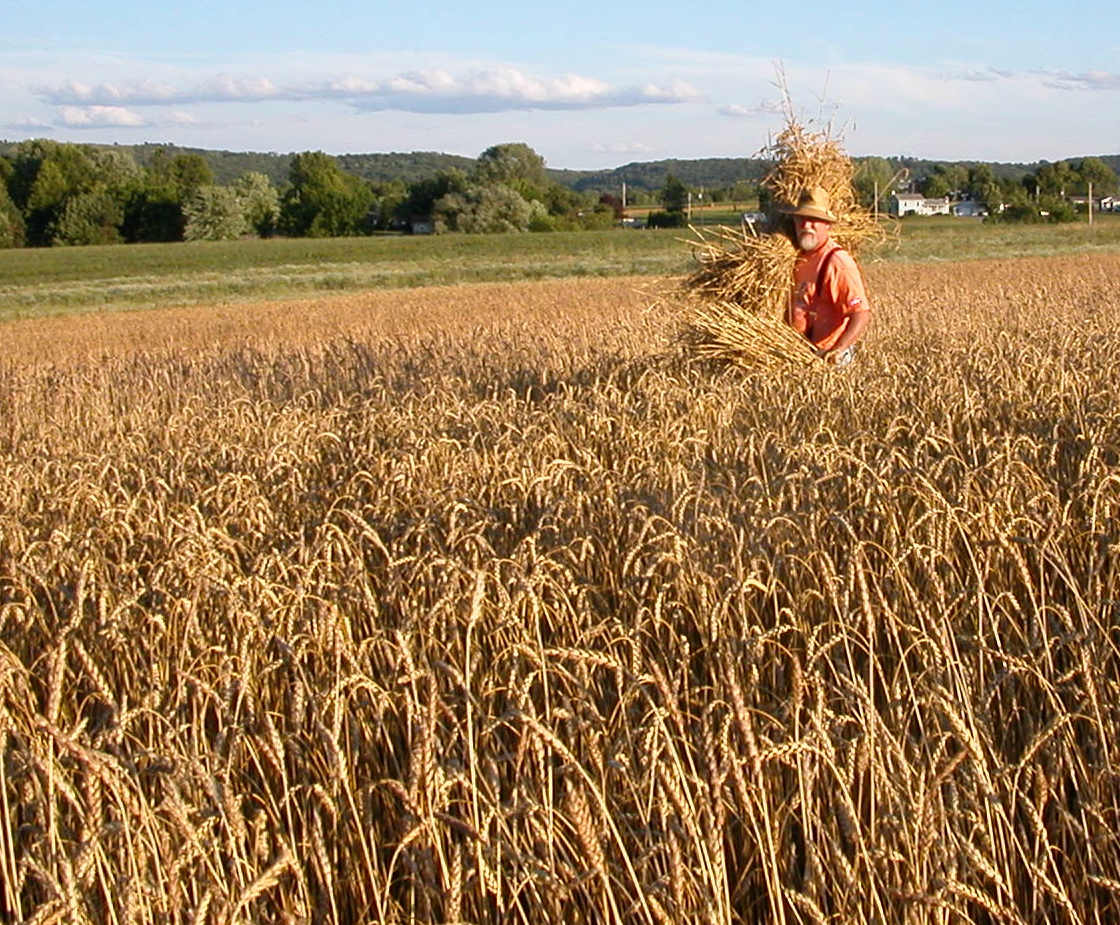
x=55, y=193
x=1052, y=192
x=1049, y=192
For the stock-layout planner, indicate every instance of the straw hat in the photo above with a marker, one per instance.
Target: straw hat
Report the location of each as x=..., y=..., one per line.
x=813, y=203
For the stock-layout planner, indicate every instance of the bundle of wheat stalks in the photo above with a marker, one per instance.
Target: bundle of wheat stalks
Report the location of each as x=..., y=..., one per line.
x=736, y=297
x=735, y=301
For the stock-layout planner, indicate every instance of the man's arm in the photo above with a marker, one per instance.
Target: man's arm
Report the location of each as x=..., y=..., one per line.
x=853, y=331
x=797, y=319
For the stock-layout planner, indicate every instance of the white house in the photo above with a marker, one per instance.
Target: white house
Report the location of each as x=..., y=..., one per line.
x=917, y=204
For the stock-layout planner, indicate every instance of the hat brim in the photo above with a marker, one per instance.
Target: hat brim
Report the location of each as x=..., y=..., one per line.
x=809, y=212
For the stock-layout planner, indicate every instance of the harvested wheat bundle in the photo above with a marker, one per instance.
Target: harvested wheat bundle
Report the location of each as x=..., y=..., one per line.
x=804, y=160
x=735, y=300
x=730, y=332
x=750, y=270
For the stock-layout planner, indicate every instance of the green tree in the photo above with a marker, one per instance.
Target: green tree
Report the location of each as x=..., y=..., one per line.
x=153, y=212
x=45, y=175
x=744, y=192
x=564, y=203
x=1057, y=211
x=674, y=195
x=521, y=169
x=322, y=201
x=388, y=198
x=92, y=217
x=215, y=213
x=491, y=209
x=600, y=215
x=12, y=229
x=946, y=180
x=982, y=187
x=872, y=182
x=260, y=202
x=935, y=186
x=514, y=164
x=1058, y=179
x=673, y=219
x=117, y=171
x=540, y=219
x=424, y=194
x=155, y=209
x=182, y=173
x=1022, y=210
x=1093, y=171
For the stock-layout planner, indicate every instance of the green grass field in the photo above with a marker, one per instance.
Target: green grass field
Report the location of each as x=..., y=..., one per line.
x=36, y=282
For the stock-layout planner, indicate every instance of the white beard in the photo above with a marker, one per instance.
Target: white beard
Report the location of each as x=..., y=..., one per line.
x=807, y=240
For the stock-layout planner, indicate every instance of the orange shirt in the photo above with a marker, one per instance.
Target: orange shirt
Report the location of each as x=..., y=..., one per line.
x=825, y=314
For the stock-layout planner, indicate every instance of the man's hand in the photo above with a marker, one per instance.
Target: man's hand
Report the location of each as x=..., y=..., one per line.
x=836, y=356
x=799, y=319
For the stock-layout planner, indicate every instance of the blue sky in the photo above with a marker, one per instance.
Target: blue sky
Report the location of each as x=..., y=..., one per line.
x=587, y=85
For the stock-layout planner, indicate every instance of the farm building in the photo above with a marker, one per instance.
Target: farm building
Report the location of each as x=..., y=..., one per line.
x=917, y=204
x=969, y=208
x=1100, y=204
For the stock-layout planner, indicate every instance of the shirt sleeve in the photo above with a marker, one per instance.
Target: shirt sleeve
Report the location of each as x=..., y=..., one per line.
x=844, y=284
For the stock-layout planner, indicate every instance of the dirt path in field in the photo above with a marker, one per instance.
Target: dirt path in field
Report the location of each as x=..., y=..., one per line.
x=386, y=313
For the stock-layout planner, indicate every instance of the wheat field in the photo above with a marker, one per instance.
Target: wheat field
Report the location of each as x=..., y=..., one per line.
x=486, y=604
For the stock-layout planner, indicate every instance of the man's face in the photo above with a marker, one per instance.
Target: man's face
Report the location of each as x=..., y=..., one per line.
x=811, y=232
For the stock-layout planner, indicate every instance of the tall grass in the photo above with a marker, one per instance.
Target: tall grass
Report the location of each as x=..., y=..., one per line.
x=534, y=620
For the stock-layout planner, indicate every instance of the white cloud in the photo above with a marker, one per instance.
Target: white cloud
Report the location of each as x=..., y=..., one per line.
x=27, y=124
x=78, y=93
x=623, y=147
x=982, y=75
x=1088, y=80
x=738, y=111
x=226, y=88
x=435, y=90
x=1058, y=80
x=100, y=117
x=950, y=109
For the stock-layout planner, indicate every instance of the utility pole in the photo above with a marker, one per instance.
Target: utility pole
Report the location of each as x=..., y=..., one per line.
x=1090, y=203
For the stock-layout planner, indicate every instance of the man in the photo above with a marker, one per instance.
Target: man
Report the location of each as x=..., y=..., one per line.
x=828, y=304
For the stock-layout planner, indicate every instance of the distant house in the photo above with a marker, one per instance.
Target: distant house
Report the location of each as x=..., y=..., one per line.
x=969, y=208
x=917, y=204
x=1100, y=204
